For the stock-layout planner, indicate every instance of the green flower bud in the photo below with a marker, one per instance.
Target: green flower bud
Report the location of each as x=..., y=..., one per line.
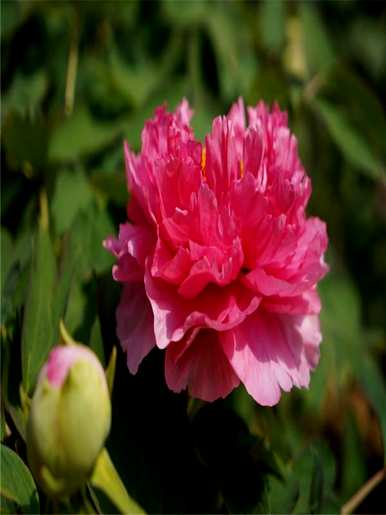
x=69, y=420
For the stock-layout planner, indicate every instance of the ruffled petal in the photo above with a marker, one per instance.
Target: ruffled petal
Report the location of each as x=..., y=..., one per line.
x=270, y=353
x=199, y=364
x=135, y=324
x=131, y=248
x=307, y=303
x=215, y=308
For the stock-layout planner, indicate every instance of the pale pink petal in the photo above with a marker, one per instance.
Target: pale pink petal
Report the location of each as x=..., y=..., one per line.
x=183, y=112
x=200, y=365
x=272, y=352
x=301, y=266
x=236, y=115
x=307, y=303
x=131, y=248
x=60, y=360
x=135, y=324
x=267, y=284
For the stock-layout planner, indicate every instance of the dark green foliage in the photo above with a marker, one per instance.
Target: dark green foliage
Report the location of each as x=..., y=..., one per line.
x=78, y=78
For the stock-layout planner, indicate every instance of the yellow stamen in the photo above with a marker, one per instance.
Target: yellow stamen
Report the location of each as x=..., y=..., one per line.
x=203, y=161
x=241, y=163
x=203, y=158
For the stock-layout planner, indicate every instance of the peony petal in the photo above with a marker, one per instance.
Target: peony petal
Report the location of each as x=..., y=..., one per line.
x=271, y=352
x=307, y=303
x=135, y=324
x=183, y=112
x=199, y=364
x=131, y=248
x=216, y=308
x=236, y=115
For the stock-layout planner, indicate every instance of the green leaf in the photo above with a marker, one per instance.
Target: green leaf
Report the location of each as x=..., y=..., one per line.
x=317, y=47
x=11, y=379
x=353, y=459
x=4, y=430
x=344, y=354
x=340, y=326
x=75, y=306
x=17, y=488
x=80, y=136
x=26, y=94
x=110, y=370
x=72, y=194
x=283, y=495
x=373, y=384
x=37, y=334
x=25, y=142
x=111, y=185
x=11, y=17
x=353, y=146
x=6, y=254
x=371, y=49
x=85, y=244
x=308, y=483
x=96, y=341
x=272, y=17
x=368, y=116
x=239, y=461
x=106, y=478
x=226, y=45
x=67, y=273
x=192, y=13
x=134, y=82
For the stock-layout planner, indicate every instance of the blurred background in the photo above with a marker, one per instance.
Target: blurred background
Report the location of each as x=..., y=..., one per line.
x=78, y=78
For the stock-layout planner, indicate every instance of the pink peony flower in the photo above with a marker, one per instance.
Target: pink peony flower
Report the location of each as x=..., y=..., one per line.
x=219, y=262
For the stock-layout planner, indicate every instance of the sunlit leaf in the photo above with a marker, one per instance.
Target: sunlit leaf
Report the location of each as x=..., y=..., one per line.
x=80, y=135
x=317, y=46
x=193, y=12
x=106, y=478
x=272, y=21
x=72, y=194
x=38, y=331
x=226, y=45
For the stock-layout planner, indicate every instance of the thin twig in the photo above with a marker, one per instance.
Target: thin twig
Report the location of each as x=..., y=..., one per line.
x=362, y=493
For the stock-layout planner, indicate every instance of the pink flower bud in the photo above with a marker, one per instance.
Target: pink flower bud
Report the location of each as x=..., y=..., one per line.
x=69, y=420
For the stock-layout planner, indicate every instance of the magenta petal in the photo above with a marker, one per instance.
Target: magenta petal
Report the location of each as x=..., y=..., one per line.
x=272, y=352
x=135, y=324
x=201, y=366
x=216, y=308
